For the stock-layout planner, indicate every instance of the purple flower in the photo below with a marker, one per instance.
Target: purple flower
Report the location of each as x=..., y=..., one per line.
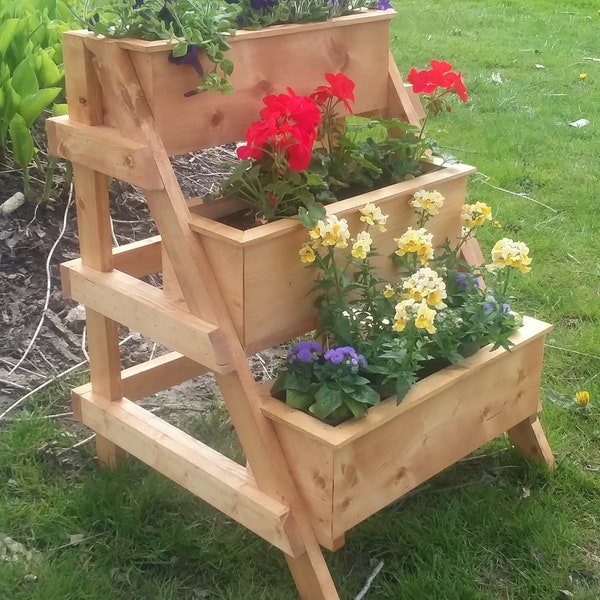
x=487, y=307
x=506, y=308
x=466, y=279
x=347, y=355
x=384, y=4
x=304, y=351
x=191, y=57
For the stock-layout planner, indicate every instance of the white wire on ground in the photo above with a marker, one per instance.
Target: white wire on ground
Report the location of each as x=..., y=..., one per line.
x=48, y=283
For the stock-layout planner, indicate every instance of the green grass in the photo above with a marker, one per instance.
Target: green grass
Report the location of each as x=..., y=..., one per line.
x=492, y=528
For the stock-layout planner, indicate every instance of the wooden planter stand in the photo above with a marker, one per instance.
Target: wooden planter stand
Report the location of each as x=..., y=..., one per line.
x=127, y=115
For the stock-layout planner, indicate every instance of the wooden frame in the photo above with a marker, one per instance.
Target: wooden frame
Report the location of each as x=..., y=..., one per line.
x=125, y=122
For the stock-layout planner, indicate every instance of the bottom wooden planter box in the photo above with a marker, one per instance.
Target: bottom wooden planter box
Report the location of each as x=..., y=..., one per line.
x=349, y=472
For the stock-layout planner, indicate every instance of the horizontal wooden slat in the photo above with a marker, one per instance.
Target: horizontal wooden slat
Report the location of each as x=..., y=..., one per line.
x=195, y=466
x=155, y=375
x=146, y=309
x=103, y=149
x=139, y=258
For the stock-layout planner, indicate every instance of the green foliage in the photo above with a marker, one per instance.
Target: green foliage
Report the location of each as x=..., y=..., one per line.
x=197, y=24
x=31, y=73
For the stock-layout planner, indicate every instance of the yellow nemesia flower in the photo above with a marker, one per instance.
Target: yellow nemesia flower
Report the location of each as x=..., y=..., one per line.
x=583, y=397
x=426, y=285
x=362, y=245
x=429, y=202
x=475, y=215
x=307, y=254
x=388, y=291
x=416, y=241
x=507, y=253
x=425, y=317
x=333, y=232
x=372, y=215
x=404, y=311
x=582, y=76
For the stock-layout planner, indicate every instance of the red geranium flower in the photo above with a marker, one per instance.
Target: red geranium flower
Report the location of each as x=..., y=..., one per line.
x=340, y=87
x=439, y=76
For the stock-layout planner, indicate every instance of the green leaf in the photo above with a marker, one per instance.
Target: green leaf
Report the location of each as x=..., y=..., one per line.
x=22, y=142
x=180, y=49
x=49, y=74
x=8, y=29
x=32, y=106
x=24, y=79
x=366, y=395
x=326, y=401
x=60, y=110
x=299, y=400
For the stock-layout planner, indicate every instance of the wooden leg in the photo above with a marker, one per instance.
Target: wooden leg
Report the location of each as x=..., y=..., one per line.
x=107, y=453
x=530, y=440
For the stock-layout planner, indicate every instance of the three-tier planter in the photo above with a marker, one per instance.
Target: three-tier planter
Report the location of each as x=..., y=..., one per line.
x=227, y=294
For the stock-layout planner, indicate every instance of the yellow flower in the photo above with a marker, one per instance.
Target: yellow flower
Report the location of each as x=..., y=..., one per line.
x=507, y=253
x=404, y=311
x=388, y=291
x=496, y=224
x=426, y=285
x=362, y=245
x=475, y=215
x=582, y=76
x=429, y=202
x=371, y=215
x=416, y=241
x=583, y=397
x=331, y=232
x=425, y=317
x=307, y=254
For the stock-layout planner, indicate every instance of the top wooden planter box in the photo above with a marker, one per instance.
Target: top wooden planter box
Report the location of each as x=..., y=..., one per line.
x=266, y=61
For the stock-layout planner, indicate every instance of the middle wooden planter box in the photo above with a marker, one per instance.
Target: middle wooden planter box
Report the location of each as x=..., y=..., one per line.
x=347, y=473
x=265, y=285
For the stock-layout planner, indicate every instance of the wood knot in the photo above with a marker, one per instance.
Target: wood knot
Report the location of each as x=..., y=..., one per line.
x=349, y=474
x=82, y=100
x=129, y=161
x=400, y=474
x=217, y=118
x=345, y=504
x=320, y=481
x=264, y=87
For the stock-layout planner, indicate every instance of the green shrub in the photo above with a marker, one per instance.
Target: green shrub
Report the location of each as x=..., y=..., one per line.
x=31, y=71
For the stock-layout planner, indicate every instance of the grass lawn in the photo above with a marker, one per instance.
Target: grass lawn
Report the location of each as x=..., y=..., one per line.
x=493, y=527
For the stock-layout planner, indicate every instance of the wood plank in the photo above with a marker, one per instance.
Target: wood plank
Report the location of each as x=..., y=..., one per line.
x=103, y=149
x=154, y=375
x=402, y=103
x=145, y=308
x=84, y=95
x=530, y=440
x=198, y=468
x=140, y=258
x=95, y=240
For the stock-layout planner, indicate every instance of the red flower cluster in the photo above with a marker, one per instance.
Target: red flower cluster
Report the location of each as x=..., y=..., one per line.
x=340, y=88
x=288, y=128
x=439, y=76
x=289, y=123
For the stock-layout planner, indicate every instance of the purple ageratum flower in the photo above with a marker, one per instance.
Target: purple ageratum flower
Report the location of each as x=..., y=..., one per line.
x=304, y=351
x=466, y=279
x=384, y=4
x=346, y=355
x=191, y=57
